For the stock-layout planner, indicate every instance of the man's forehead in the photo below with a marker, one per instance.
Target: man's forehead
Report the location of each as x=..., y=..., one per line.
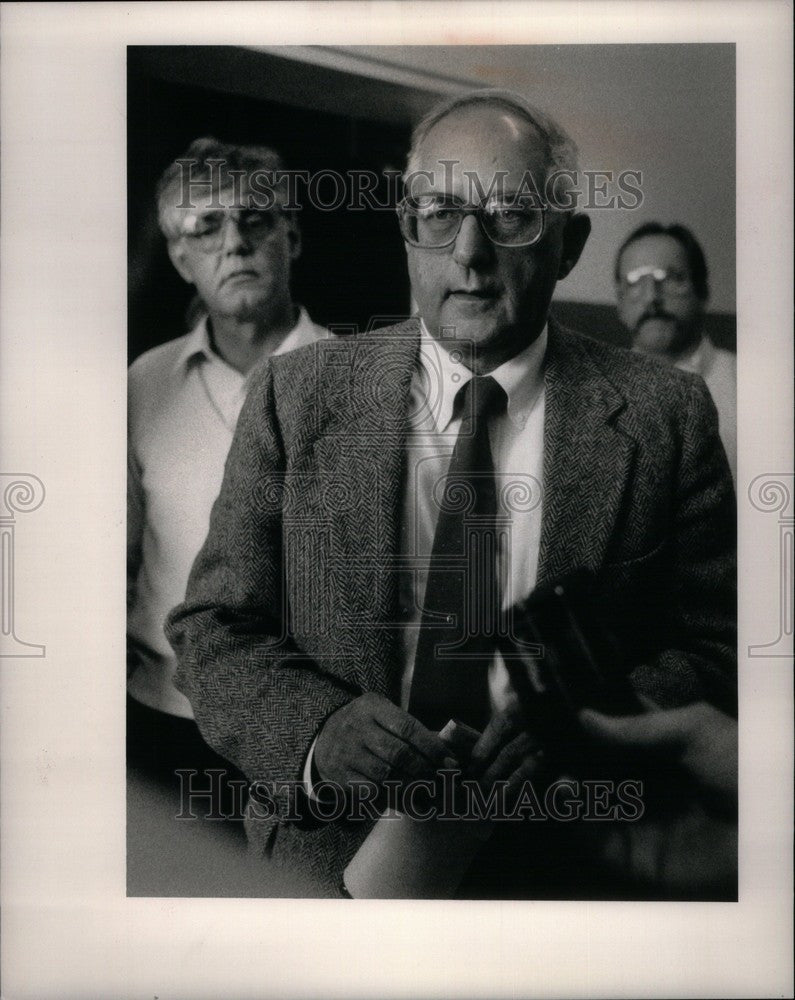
x=238, y=194
x=653, y=250
x=484, y=140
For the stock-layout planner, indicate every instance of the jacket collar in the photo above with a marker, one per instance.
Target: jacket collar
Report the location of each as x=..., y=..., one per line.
x=438, y=378
x=586, y=457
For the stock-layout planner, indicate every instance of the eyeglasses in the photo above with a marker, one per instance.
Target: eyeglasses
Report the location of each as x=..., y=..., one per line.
x=207, y=230
x=671, y=282
x=435, y=221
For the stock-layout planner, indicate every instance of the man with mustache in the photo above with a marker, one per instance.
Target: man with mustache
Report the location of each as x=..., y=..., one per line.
x=236, y=247
x=389, y=495
x=662, y=290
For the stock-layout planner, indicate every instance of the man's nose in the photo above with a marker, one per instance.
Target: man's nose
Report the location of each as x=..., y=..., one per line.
x=651, y=291
x=235, y=238
x=472, y=247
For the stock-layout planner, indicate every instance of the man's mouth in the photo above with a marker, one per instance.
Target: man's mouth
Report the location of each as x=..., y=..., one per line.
x=646, y=317
x=244, y=273
x=475, y=294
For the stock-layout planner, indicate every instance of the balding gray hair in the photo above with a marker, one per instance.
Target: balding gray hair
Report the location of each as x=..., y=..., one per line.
x=204, y=160
x=562, y=152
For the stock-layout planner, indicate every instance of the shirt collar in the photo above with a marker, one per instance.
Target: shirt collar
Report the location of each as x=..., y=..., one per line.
x=197, y=343
x=442, y=376
x=700, y=358
x=304, y=332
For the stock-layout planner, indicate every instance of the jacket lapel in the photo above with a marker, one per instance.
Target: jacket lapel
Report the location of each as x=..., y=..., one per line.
x=363, y=451
x=586, y=459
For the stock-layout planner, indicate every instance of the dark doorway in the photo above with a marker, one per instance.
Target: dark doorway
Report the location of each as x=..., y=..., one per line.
x=352, y=270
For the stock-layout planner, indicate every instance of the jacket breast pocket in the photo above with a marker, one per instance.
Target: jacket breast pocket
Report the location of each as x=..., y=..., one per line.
x=638, y=564
x=639, y=585
x=635, y=599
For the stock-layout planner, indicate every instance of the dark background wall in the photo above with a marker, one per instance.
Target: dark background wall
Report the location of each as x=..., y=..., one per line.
x=352, y=264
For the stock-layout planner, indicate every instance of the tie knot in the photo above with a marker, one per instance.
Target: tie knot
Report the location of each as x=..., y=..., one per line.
x=482, y=396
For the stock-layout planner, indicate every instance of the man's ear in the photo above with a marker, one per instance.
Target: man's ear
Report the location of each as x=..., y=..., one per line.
x=179, y=259
x=576, y=230
x=294, y=236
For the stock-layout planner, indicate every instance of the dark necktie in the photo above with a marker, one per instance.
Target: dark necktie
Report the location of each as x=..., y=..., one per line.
x=462, y=597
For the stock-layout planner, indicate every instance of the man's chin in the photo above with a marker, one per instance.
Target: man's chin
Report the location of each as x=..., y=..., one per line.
x=657, y=336
x=470, y=324
x=482, y=345
x=246, y=308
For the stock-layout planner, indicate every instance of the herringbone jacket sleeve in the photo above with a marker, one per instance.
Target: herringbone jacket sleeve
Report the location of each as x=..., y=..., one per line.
x=257, y=699
x=698, y=602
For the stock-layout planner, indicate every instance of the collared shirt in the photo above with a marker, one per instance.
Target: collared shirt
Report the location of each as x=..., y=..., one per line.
x=516, y=437
x=517, y=444
x=183, y=404
x=718, y=368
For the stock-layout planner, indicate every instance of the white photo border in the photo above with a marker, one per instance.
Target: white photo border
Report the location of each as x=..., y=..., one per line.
x=69, y=928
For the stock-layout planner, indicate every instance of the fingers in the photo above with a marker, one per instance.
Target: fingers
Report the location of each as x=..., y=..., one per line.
x=373, y=738
x=648, y=703
x=512, y=756
x=368, y=766
x=507, y=752
x=502, y=728
x=652, y=730
x=420, y=743
x=528, y=769
x=398, y=759
x=700, y=739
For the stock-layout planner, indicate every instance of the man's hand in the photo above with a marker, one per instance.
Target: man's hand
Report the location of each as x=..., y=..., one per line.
x=698, y=737
x=371, y=739
x=506, y=751
x=694, y=851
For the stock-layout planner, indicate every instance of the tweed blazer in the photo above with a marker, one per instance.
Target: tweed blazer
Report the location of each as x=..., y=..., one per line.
x=291, y=607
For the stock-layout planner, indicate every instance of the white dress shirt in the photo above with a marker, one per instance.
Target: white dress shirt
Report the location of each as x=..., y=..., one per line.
x=516, y=436
x=517, y=444
x=183, y=405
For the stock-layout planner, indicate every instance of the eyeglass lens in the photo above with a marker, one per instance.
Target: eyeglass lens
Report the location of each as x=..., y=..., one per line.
x=208, y=228
x=670, y=282
x=438, y=224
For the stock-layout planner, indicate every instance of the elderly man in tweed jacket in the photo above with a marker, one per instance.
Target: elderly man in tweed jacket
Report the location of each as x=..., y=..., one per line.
x=298, y=640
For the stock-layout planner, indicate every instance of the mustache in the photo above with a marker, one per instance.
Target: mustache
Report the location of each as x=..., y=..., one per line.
x=653, y=312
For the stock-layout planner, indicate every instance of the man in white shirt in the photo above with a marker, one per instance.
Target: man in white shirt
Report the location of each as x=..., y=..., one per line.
x=662, y=289
x=184, y=400
x=394, y=491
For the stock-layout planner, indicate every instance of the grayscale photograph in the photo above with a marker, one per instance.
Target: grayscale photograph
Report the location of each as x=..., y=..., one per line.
x=396, y=499
x=431, y=522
